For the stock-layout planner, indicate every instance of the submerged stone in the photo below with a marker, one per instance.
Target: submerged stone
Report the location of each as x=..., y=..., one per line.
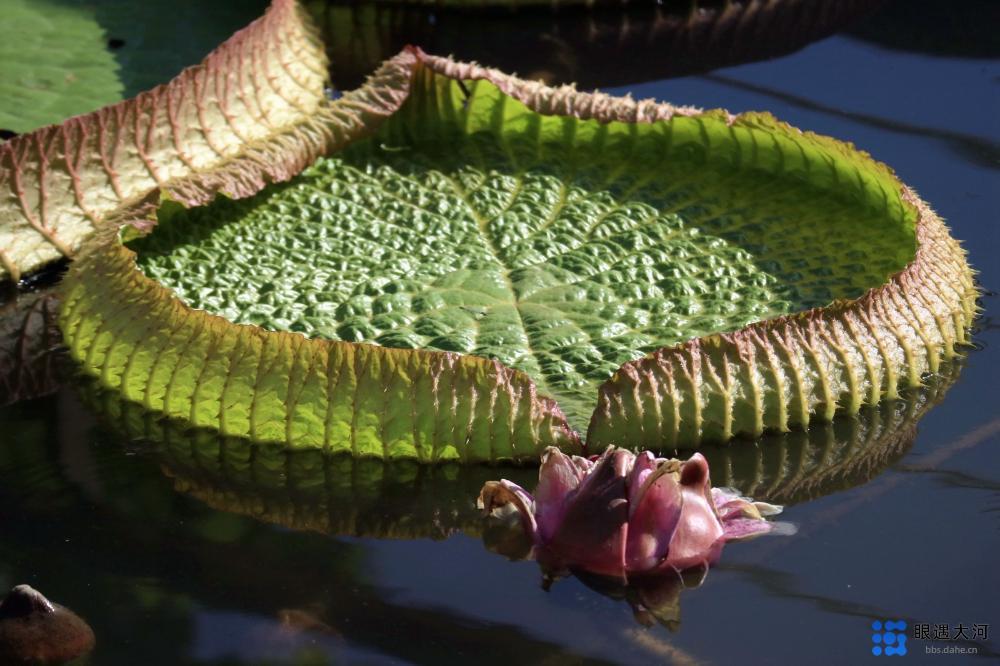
x=33, y=630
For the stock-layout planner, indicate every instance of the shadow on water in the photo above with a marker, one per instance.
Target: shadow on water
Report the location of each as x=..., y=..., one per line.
x=585, y=46
x=780, y=584
x=977, y=150
x=964, y=29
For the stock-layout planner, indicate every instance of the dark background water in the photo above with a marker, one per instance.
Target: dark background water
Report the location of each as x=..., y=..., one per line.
x=88, y=515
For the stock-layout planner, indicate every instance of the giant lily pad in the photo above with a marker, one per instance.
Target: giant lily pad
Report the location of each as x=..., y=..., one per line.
x=471, y=263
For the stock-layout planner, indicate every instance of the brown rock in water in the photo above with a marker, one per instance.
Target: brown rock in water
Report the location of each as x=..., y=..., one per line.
x=34, y=630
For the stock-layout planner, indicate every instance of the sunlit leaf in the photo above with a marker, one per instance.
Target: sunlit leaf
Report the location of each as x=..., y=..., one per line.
x=513, y=251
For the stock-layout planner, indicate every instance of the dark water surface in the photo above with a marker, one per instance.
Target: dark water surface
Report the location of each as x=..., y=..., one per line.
x=160, y=551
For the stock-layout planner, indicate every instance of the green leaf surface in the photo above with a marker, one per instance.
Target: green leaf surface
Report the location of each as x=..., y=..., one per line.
x=60, y=58
x=466, y=258
x=54, y=63
x=560, y=247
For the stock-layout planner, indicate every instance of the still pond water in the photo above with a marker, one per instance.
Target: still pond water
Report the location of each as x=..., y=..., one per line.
x=197, y=552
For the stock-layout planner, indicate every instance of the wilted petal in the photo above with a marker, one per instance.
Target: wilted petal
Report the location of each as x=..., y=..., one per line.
x=653, y=520
x=699, y=533
x=724, y=496
x=592, y=532
x=742, y=517
x=558, y=479
x=765, y=509
x=743, y=528
x=502, y=495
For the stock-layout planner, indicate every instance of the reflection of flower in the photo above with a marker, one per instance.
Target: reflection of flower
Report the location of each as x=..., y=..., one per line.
x=654, y=599
x=627, y=514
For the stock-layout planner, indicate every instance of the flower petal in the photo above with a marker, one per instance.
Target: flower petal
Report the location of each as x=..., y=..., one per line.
x=742, y=517
x=698, y=537
x=653, y=520
x=595, y=521
x=744, y=528
x=558, y=478
x=586, y=465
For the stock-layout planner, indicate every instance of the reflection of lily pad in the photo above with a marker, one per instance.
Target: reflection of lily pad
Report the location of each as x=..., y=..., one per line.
x=507, y=247
x=32, y=359
x=847, y=452
x=172, y=558
x=594, y=46
x=308, y=489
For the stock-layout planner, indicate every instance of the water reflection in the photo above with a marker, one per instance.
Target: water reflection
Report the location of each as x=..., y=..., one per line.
x=310, y=492
x=32, y=363
x=87, y=514
x=829, y=457
x=307, y=489
x=964, y=29
x=654, y=600
x=585, y=46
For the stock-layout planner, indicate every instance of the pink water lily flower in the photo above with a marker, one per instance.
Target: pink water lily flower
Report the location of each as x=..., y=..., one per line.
x=626, y=513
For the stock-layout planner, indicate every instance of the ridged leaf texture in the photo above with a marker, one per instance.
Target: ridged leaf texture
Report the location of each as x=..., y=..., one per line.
x=343, y=495
x=558, y=246
x=307, y=489
x=444, y=283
